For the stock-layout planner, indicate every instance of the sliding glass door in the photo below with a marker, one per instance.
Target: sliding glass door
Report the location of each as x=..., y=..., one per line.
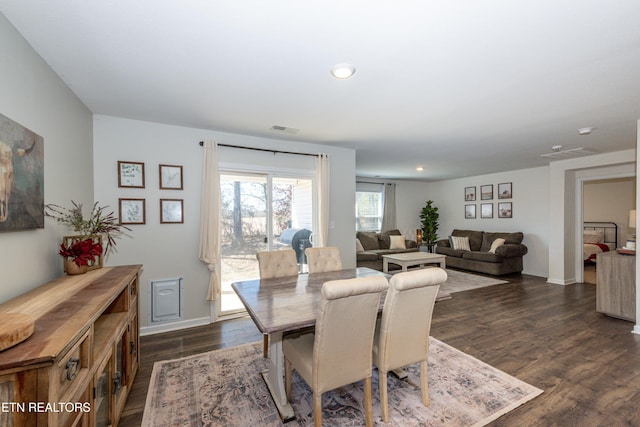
x=260, y=211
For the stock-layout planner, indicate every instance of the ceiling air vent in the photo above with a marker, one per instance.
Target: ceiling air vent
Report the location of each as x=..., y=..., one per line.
x=284, y=129
x=558, y=153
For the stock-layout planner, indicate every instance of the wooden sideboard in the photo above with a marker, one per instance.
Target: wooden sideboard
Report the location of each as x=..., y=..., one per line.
x=616, y=285
x=78, y=366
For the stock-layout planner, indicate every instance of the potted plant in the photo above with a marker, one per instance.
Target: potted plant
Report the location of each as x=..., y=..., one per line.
x=79, y=254
x=99, y=224
x=429, y=220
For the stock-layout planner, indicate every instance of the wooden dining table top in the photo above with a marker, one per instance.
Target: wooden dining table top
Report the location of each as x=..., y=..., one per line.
x=291, y=303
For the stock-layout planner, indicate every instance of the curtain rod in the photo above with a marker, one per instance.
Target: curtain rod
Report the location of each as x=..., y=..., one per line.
x=369, y=182
x=263, y=149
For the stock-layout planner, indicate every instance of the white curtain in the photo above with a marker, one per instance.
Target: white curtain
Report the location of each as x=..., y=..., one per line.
x=321, y=236
x=389, y=209
x=210, y=217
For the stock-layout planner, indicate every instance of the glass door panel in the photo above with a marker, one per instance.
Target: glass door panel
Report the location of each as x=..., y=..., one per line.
x=244, y=232
x=292, y=215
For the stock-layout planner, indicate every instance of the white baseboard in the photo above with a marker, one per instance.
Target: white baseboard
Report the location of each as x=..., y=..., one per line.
x=561, y=281
x=173, y=326
x=636, y=330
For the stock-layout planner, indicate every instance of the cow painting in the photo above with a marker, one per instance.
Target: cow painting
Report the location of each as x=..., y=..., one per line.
x=21, y=177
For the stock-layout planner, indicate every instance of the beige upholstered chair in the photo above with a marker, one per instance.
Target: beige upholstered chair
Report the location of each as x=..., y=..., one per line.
x=280, y=263
x=274, y=264
x=339, y=352
x=323, y=259
x=402, y=334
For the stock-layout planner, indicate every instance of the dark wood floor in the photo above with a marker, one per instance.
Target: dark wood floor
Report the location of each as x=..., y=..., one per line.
x=550, y=336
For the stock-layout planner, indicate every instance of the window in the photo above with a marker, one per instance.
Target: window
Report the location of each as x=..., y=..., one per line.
x=368, y=206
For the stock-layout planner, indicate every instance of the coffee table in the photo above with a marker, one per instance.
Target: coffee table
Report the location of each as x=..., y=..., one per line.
x=410, y=259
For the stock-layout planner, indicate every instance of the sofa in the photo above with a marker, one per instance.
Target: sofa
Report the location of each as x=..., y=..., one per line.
x=371, y=246
x=506, y=257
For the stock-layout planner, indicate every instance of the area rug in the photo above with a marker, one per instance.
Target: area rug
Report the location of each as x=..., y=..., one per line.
x=458, y=281
x=225, y=388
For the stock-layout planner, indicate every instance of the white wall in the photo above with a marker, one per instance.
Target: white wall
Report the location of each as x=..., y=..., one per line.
x=171, y=250
x=565, y=218
x=34, y=96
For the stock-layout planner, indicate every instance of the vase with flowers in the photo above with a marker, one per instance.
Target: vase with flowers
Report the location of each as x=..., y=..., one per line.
x=79, y=254
x=86, y=249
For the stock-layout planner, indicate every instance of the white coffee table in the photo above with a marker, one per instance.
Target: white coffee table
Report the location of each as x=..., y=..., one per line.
x=410, y=259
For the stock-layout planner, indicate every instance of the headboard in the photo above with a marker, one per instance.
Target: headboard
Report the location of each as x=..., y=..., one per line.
x=609, y=231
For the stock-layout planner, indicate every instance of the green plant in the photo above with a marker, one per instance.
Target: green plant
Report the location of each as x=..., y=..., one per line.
x=99, y=222
x=429, y=219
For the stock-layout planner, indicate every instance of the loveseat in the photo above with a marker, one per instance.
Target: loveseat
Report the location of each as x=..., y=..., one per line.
x=505, y=258
x=371, y=246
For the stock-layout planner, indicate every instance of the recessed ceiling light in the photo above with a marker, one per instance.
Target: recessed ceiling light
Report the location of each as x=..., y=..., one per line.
x=585, y=131
x=419, y=168
x=343, y=71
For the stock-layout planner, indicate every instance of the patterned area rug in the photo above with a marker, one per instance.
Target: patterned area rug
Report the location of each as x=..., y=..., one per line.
x=225, y=388
x=458, y=281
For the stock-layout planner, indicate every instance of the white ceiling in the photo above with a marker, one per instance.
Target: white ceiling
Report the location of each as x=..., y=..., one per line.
x=460, y=87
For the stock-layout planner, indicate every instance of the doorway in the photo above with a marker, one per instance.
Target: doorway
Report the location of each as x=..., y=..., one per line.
x=260, y=212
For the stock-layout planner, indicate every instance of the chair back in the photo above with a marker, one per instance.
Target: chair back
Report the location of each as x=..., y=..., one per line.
x=406, y=317
x=273, y=264
x=344, y=331
x=321, y=260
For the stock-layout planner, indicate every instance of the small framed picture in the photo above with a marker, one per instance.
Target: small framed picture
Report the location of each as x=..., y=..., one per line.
x=171, y=211
x=486, y=210
x=130, y=174
x=469, y=194
x=505, y=210
x=486, y=192
x=504, y=190
x=470, y=211
x=132, y=211
x=170, y=177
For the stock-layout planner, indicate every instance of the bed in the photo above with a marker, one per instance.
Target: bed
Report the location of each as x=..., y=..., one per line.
x=598, y=237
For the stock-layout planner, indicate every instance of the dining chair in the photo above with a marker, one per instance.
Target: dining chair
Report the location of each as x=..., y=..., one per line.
x=402, y=333
x=339, y=351
x=274, y=264
x=321, y=260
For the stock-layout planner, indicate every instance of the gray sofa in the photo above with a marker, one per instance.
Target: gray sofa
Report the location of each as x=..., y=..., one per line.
x=506, y=259
x=377, y=244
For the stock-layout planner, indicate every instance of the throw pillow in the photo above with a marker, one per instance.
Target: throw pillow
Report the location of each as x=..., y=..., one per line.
x=359, y=247
x=459, y=242
x=397, y=242
x=496, y=243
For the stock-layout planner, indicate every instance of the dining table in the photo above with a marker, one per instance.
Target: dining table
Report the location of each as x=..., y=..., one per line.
x=286, y=304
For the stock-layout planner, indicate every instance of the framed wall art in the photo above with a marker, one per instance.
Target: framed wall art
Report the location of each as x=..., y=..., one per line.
x=504, y=190
x=21, y=177
x=130, y=174
x=470, y=211
x=132, y=211
x=171, y=211
x=486, y=210
x=505, y=210
x=170, y=177
x=486, y=192
x=469, y=194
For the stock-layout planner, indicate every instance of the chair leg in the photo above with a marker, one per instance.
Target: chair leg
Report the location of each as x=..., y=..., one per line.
x=384, y=400
x=317, y=409
x=424, y=382
x=368, y=411
x=265, y=345
x=287, y=378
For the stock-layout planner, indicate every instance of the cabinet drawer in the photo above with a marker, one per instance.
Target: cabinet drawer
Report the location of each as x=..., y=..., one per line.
x=72, y=368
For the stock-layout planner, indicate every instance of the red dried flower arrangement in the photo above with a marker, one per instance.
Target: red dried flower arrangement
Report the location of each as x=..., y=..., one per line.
x=82, y=252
